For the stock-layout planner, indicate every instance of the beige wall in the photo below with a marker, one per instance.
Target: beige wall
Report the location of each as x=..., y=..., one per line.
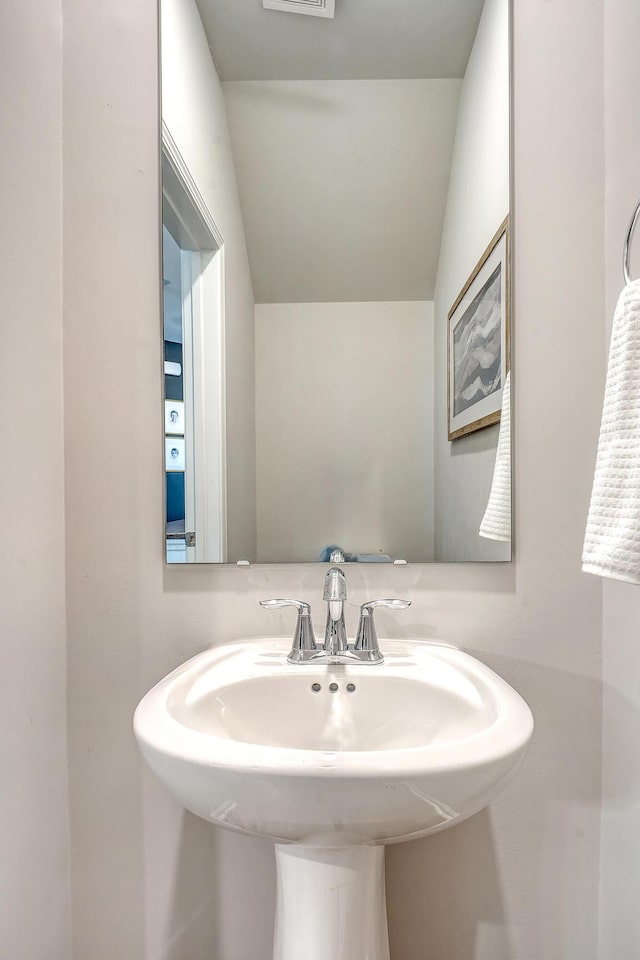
x=334, y=210
x=517, y=882
x=34, y=868
x=344, y=417
x=477, y=203
x=193, y=109
x=619, y=917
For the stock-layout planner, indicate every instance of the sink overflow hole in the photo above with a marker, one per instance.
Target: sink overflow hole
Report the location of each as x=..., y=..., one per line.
x=333, y=687
x=351, y=687
x=315, y=687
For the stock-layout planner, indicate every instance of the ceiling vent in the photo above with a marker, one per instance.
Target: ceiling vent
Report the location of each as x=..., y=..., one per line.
x=314, y=8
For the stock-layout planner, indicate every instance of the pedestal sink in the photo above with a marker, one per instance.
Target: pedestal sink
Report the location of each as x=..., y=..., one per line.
x=333, y=761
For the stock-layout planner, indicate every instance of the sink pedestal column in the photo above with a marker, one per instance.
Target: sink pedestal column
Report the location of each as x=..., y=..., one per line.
x=331, y=902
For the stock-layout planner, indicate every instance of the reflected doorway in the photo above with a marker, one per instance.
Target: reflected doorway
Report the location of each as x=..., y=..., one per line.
x=193, y=338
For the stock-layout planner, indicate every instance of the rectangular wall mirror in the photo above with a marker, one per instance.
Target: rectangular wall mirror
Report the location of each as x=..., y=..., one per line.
x=336, y=275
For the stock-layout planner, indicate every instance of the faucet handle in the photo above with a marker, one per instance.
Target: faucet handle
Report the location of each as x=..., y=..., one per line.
x=366, y=645
x=304, y=645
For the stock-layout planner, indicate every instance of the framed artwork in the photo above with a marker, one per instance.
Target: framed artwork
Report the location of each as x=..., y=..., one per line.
x=174, y=417
x=174, y=454
x=478, y=342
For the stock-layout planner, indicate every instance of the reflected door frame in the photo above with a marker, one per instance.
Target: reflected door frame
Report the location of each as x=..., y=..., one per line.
x=189, y=220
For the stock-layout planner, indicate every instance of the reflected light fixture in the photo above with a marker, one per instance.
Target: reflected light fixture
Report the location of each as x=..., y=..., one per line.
x=313, y=8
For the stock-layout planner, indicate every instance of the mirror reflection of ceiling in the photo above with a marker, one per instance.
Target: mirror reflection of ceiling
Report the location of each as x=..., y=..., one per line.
x=367, y=40
x=342, y=133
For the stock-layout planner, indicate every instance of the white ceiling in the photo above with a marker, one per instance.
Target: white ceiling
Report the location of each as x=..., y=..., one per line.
x=342, y=134
x=368, y=39
x=342, y=185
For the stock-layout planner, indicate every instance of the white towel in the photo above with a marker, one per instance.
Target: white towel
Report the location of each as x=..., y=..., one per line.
x=612, y=539
x=496, y=523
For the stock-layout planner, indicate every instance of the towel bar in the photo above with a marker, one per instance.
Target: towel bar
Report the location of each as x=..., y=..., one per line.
x=627, y=244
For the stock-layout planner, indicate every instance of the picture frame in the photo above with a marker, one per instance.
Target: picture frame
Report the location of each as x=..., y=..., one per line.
x=174, y=417
x=478, y=338
x=174, y=454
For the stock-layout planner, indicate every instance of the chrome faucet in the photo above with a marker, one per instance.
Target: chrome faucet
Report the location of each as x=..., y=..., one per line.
x=335, y=593
x=336, y=647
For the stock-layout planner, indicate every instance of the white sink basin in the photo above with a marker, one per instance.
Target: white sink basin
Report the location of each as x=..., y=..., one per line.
x=340, y=759
x=425, y=739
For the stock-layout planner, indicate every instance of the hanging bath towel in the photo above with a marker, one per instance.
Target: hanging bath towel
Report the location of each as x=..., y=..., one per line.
x=496, y=523
x=612, y=539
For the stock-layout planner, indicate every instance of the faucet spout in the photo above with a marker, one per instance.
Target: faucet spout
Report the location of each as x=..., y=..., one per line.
x=335, y=593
